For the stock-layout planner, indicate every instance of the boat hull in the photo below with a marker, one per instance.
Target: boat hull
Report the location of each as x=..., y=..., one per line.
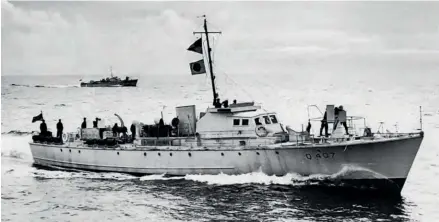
x=387, y=162
x=123, y=83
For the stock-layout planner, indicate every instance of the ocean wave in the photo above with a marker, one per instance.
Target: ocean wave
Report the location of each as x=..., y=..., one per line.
x=12, y=154
x=61, y=174
x=45, y=86
x=19, y=133
x=290, y=179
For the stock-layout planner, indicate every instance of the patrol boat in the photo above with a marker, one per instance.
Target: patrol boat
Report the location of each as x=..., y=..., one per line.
x=237, y=138
x=113, y=81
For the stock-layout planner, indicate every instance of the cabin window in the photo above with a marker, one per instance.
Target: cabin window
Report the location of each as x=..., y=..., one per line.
x=273, y=119
x=257, y=121
x=267, y=120
x=236, y=122
x=245, y=122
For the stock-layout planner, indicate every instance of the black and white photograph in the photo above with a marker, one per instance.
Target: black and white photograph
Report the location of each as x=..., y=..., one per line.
x=219, y=111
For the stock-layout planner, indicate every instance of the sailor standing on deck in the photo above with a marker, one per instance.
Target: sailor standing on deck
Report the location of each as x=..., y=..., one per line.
x=84, y=124
x=324, y=125
x=95, y=123
x=115, y=130
x=59, y=129
x=133, y=131
x=43, y=128
x=340, y=116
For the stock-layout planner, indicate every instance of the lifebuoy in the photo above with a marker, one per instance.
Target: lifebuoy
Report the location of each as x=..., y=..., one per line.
x=261, y=131
x=64, y=137
x=78, y=134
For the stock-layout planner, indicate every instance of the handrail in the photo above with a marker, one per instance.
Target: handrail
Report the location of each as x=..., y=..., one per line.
x=347, y=118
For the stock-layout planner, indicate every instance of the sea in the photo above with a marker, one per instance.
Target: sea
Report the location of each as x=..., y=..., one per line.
x=395, y=102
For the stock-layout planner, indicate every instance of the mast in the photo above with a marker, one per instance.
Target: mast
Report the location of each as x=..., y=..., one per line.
x=209, y=58
x=212, y=76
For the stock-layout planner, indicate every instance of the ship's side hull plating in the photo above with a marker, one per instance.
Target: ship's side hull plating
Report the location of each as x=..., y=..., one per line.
x=384, y=160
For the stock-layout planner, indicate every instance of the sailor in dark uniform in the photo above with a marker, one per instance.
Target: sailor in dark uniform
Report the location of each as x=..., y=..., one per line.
x=225, y=103
x=84, y=124
x=115, y=130
x=59, y=129
x=336, y=110
x=95, y=123
x=133, y=131
x=324, y=125
x=217, y=103
x=43, y=128
x=174, y=124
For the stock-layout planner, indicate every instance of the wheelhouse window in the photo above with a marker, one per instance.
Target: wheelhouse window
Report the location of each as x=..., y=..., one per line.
x=245, y=122
x=267, y=120
x=273, y=119
x=258, y=121
x=236, y=122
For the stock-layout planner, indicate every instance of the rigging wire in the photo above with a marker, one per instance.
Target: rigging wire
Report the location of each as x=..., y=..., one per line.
x=235, y=83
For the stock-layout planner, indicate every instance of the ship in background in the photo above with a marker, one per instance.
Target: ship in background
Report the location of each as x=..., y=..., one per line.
x=237, y=138
x=112, y=81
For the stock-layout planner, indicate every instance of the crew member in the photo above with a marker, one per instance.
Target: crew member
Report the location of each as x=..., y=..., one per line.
x=336, y=110
x=115, y=130
x=342, y=118
x=308, y=128
x=133, y=131
x=218, y=103
x=234, y=101
x=95, y=123
x=324, y=125
x=225, y=103
x=84, y=124
x=215, y=99
x=59, y=129
x=175, y=122
x=43, y=128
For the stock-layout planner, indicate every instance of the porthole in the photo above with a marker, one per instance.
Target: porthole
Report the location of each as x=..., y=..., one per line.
x=79, y=151
x=277, y=153
x=189, y=154
x=70, y=150
x=144, y=154
x=170, y=154
x=239, y=154
x=159, y=154
x=117, y=153
x=257, y=153
x=60, y=149
x=222, y=154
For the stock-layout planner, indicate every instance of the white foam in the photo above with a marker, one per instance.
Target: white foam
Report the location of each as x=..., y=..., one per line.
x=15, y=146
x=46, y=174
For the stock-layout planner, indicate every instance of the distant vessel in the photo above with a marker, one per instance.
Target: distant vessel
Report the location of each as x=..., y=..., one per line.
x=236, y=139
x=113, y=81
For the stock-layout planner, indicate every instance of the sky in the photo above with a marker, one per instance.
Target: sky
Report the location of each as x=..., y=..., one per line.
x=145, y=38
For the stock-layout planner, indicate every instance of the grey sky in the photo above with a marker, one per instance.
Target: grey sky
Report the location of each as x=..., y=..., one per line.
x=258, y=37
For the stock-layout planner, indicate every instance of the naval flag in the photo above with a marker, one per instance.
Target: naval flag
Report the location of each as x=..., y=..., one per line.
x=198, y=67
x=37, y=118
x=197, y=46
